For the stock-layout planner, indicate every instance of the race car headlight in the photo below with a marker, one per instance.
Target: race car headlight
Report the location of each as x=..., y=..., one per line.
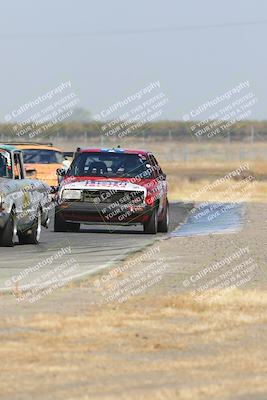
x=69, y=194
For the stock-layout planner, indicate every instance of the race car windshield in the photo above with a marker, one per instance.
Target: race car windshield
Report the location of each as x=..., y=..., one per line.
x=5, y=165
x=111, y=165
x=37, y=156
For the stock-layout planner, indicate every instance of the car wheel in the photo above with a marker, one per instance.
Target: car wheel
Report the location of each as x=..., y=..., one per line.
x=62, y=226
x=9, y=232
x=32, y=235
x=163, y=226
x=151, y=226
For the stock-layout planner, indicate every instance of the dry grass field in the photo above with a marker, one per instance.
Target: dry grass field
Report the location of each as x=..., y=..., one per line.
x=139, y=350
x=186, y=179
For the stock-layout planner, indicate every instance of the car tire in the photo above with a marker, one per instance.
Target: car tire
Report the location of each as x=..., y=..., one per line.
x=32, y=235
x=151, y=226
x=62, y=226
x=163, y=226
x=9, y=232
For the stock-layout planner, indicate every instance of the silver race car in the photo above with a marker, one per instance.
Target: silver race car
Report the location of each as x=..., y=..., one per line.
x=24, y=202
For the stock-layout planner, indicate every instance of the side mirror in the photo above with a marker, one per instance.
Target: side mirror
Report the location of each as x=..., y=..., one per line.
x=54, y=189
x=31, y=173
x=61, y=172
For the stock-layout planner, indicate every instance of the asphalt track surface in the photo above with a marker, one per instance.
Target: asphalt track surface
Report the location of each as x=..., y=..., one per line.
x=86, y=252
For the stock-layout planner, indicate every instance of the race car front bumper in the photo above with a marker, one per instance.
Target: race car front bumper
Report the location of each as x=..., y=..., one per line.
x=82, y=212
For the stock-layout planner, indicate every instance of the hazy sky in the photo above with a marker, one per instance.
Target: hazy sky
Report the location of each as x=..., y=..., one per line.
x=41, y=47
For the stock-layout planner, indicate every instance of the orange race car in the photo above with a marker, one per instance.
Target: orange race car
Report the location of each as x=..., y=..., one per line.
x=42, y=161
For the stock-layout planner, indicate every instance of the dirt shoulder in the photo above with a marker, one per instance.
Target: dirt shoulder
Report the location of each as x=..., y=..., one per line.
x=133, y=333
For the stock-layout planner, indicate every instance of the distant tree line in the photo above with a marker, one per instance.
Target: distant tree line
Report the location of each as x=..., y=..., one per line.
x=175, y=130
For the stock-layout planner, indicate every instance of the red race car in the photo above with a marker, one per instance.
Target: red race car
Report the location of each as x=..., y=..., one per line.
x=112, y=186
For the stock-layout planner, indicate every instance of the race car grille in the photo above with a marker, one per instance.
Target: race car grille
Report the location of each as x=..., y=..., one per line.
x=113, y=196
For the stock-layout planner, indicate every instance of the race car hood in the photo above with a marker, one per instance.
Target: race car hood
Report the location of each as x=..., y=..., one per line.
x=102, y=184
x=45, y=172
